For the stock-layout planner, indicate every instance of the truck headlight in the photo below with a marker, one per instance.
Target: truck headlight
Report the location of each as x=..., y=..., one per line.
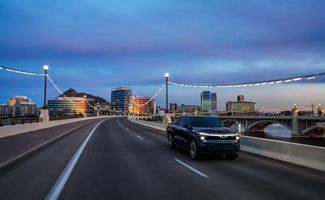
x=202, y=138
x=237, y=137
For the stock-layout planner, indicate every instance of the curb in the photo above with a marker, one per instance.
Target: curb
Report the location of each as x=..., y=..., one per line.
x=27, y=154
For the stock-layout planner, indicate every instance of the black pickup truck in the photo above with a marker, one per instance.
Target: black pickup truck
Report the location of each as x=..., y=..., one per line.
x=203, y=135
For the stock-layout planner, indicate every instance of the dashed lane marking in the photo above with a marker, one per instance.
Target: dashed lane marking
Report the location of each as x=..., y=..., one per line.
x=191, y=168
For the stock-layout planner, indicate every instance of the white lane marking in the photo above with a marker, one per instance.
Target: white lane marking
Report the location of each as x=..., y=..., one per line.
x=127, y=129
x=58, y=186
x=140, y=137
x=191, y=168
x=121, y=125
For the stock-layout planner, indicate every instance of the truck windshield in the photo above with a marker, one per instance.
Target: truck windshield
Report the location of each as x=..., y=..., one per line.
x=206, y=122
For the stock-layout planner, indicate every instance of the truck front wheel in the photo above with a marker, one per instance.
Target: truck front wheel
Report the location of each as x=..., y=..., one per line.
x=171, y=144
x=194, y=153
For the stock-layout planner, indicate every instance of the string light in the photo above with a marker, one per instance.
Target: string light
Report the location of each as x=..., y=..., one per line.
x=150, y=98
x=269, y=82
x=20, y=71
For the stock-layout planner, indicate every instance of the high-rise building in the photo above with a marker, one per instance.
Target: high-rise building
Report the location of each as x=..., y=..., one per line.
x=76, y=105
x=208, y=103
x=213, y=103
x=205, y=102
x=120, y=99
x=240, y=98
x=18, y=105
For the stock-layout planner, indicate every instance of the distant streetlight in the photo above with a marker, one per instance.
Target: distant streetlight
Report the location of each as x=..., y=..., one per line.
x=167, y=75
x=45, y=67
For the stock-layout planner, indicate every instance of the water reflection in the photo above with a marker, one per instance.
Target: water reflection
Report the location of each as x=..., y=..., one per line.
x=278, y=132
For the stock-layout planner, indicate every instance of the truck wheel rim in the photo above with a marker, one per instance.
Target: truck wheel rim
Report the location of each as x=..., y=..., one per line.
x=193, y=149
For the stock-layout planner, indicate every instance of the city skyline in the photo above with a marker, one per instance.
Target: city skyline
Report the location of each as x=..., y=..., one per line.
x=96, y=46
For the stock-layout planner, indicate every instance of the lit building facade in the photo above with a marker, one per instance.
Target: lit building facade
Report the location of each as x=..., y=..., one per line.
x=120, y=99
x=62, y=105
x=137, y=105
x=18, y=106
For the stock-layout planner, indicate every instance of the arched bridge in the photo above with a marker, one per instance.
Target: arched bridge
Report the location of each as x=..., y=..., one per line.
x=298, y=125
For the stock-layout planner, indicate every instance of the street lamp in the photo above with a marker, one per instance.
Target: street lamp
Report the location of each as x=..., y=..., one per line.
x=45, y=68
x=167, y=75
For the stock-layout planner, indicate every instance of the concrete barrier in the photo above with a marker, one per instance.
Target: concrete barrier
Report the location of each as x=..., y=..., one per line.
x=305, y=155
x=155, y=125
x=6, y=131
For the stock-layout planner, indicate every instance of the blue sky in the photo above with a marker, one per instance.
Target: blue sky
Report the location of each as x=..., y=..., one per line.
x=94, y=46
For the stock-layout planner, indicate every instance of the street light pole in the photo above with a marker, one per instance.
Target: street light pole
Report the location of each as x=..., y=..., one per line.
x=45, y=68
x=167, y=75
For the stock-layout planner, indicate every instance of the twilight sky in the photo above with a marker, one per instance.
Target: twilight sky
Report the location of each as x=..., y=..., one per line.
x=94, y=46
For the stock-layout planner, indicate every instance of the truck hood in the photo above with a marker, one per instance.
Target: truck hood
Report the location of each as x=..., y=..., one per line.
x=216, y=130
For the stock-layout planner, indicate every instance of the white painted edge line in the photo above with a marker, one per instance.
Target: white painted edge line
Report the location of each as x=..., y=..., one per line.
x=127, y=129
x=58, y=186
x=140, y=137
x=191, y=168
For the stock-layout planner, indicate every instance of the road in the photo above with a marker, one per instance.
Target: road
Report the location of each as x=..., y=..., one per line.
x=123, y=160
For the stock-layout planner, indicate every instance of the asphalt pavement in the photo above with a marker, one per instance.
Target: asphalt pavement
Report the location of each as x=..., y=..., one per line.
x=119, y=159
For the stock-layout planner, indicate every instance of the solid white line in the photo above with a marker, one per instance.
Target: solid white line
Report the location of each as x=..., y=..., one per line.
x=140, y=137
x=191, y=168
x=58, y=186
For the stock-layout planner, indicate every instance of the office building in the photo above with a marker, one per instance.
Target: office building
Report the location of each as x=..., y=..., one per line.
x=240, y=107
x=18, y=106
x=120, y=99
x=181, y=108
x=77, y=105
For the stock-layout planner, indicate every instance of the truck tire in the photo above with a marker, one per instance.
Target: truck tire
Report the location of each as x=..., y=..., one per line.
x=171, y=144
x=194, y=153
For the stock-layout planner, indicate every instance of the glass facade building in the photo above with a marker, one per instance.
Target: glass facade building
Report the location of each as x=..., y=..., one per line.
x=120, y=99
x=208, y=103
x=213, y=103
x=64, y=106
